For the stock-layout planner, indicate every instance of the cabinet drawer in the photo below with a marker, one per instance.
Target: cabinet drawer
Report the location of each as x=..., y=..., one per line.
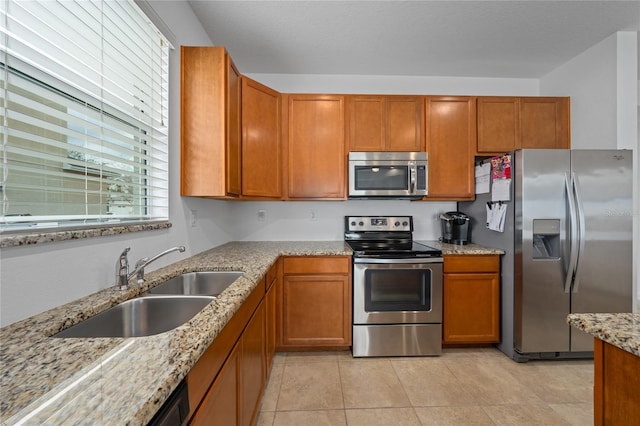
x=472, y=263
x=317, y=265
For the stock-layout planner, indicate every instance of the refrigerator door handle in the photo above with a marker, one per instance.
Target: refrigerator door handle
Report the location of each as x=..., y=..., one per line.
x=573, y=235
x=581, y=229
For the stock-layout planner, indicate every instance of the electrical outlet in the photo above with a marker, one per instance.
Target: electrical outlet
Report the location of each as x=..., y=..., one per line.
x=193, y=218
x=313, y=215
x=261, y=215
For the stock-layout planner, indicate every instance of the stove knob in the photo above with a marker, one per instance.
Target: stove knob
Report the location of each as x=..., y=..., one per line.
x=361, y=223
x=405, y=223
x=353, y=223
x=396, y=224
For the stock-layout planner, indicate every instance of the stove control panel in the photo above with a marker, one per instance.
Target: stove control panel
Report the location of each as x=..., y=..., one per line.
x=378, y=223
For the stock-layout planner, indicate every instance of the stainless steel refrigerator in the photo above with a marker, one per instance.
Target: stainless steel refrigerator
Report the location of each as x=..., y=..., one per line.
x=568, y=247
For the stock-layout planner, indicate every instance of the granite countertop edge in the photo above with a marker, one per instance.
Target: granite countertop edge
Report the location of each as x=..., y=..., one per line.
x=130, y=378
x=618, y=329
x=466, y=249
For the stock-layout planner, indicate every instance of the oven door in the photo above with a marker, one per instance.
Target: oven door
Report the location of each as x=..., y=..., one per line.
x=397, y=291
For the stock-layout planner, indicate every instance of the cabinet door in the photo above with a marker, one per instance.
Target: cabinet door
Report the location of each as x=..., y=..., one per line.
x=544, y=123
x=316, y=165
x=498, y=124
x=471, y=308
x=451, y=142
x=219, y=407
x=316, y=310
x=367, y=123
x=386, y=123
x=270, y=315
x=210, y=123
x=234, y=149
x=251, y=367
x=616, y=383
x=261, y=151
x=405, y=123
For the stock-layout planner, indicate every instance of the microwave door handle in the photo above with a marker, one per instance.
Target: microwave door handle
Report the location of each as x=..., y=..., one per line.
x=412, y=181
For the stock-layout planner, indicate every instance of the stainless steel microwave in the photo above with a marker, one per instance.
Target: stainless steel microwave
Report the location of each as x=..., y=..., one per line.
x=388, y=174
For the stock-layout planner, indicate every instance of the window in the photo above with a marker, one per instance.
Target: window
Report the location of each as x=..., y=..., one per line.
x=84, y=110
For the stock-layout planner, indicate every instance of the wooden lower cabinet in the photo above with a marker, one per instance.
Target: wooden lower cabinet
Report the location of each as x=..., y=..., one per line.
x=314, y=299
x=226, y=384
x=616, y=399
x=234, y=396
x=220, y=405
x=251, y=368
x=471, y=307
x=270, y=307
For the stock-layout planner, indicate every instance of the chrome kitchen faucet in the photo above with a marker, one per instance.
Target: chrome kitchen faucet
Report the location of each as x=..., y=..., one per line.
x=122, y=267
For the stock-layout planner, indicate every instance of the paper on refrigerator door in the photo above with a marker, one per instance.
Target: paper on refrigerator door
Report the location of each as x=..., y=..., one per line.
x=483, y=174
x=501, y=190
x=496, y=216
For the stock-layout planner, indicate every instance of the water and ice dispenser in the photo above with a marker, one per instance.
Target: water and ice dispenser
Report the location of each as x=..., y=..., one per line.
x=546, y=238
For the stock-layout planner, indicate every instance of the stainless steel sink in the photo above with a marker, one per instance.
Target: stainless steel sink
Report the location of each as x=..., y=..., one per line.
x=209, y=283
x=142, y=316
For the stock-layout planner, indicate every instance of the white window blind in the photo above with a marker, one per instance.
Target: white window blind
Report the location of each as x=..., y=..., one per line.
x=84, y=110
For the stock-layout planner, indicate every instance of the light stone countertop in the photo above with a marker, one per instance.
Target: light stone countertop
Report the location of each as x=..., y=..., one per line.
x=96, y=380
x=621, y=330
x=466, y=249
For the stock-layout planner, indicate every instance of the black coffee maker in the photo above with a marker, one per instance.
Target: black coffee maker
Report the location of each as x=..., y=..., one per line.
x=455, y=228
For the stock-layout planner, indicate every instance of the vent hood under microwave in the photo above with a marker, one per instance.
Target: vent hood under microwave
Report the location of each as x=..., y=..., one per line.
x=397, y=175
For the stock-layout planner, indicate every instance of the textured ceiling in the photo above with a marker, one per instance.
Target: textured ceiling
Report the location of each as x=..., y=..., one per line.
x=520, y=39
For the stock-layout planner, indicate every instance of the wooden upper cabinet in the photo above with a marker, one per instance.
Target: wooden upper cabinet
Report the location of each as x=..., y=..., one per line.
x=544, y=123
x=386, y=123
x=509, y=123
x=366, y=123
x=451, y=142
x=210, y=123
x=234, y=143
x=498, y=124
x=261, y=150
x=405, y=123
x=314, y=146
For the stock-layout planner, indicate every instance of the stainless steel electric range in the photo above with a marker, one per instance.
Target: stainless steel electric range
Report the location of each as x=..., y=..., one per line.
x=397, y=288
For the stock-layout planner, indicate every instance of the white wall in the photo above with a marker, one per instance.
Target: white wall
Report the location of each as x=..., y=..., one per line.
x=603, y=84
x=324, y=220
x=384, y=84
x=603, y=88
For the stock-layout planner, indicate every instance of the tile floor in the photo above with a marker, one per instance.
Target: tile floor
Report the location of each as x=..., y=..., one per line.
x=462, y=387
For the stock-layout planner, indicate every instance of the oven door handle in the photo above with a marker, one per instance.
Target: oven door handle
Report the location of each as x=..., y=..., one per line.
x=413, y=260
